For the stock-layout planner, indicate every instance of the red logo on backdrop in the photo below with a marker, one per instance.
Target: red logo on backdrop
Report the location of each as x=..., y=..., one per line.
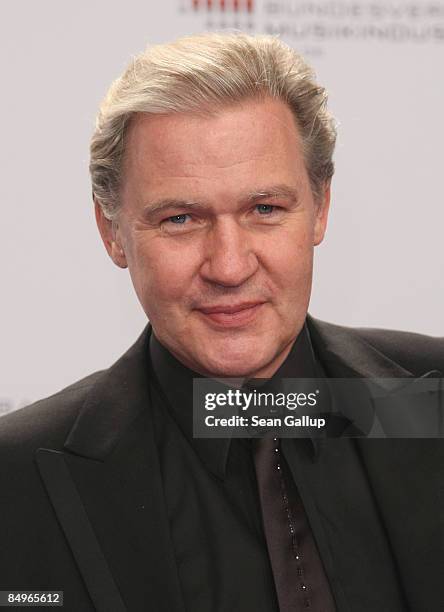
x=236, y=6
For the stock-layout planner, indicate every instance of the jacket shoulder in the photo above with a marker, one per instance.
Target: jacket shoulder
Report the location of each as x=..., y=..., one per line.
x=47, y=422
x=417, y=353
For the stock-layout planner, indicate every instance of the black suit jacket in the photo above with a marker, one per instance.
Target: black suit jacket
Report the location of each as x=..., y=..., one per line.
x=82, y=507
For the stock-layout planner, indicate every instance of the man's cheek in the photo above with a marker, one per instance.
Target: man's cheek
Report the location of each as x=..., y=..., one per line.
x=167, y=285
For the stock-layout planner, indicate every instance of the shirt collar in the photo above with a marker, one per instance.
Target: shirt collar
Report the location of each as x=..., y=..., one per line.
x=175, y=383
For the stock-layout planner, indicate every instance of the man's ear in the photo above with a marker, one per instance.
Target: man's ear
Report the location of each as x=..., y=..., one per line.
x=322, y=205
x=110, y=234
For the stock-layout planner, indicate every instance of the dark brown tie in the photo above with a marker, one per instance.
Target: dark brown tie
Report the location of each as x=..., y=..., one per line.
x=299, y=577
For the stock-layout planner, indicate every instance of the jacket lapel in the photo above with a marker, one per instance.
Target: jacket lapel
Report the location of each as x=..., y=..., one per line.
x=111, y=457
x=405, y=475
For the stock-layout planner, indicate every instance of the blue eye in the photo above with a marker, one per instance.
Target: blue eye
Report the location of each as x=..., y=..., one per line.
x=265, y=208
x=177, y=219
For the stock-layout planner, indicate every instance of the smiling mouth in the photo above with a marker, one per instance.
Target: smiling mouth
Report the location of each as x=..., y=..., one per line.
x=233, y=315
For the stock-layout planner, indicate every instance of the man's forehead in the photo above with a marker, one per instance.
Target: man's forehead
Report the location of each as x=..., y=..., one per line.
x=170, y=133
x=195, y=159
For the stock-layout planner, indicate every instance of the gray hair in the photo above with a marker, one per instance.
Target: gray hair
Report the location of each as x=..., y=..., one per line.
x=204, y=73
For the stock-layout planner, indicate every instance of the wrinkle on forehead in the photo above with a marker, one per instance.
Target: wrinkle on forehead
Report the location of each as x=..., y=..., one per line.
x=219, y=166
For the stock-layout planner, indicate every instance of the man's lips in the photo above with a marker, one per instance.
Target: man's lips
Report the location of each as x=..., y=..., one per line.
x=228, y=308
x=232, y=315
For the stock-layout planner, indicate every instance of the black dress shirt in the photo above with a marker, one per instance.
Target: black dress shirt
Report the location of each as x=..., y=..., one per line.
x=214, y=509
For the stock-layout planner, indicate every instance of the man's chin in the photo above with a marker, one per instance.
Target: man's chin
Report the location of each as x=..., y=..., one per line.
x=237, y=366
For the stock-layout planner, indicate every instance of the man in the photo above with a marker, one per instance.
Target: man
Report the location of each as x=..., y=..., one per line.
x=211, y=166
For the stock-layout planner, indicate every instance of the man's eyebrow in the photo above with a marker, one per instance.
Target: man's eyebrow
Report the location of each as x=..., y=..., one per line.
x=154, y=208
x=276, y=191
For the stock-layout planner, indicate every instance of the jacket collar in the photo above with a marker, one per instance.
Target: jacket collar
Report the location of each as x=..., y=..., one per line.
x=345, y=354
x=116, y=400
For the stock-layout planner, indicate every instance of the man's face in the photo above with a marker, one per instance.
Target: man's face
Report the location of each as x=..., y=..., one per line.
x=217, y=228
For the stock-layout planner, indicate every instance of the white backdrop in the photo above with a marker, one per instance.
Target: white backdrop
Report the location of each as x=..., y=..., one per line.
x=66, y=310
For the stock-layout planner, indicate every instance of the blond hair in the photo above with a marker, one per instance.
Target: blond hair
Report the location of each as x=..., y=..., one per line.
x=203, y=73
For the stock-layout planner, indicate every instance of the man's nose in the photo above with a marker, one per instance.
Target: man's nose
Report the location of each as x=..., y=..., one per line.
x=229, y=257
